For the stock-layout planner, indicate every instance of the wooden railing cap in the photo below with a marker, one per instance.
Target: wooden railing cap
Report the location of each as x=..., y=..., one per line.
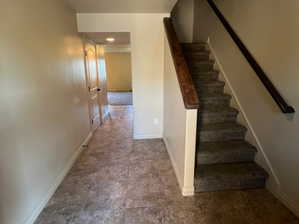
x=184, y=77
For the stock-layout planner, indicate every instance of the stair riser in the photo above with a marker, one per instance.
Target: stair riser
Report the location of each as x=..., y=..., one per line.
x=221, y=185
x=209, y=118
x=205, y=77
x=206, y=67
x=193, y=48
x=209, y=89
x=196, y=57
x=221, y=135
x=219, y=102
x=230, y=157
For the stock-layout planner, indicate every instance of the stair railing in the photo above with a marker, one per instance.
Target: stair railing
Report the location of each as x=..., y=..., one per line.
x=282, y=104
x=185, y=80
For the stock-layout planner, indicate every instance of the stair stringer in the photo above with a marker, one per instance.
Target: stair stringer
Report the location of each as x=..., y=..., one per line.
x=273, y=183
x=261, y=157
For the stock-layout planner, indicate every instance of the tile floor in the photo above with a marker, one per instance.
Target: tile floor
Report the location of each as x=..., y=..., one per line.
x=118, y=180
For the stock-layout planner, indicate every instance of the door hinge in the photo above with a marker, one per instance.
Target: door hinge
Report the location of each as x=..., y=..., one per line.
x=91, y=121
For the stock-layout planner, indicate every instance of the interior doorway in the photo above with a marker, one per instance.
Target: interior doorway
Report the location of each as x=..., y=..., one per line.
x=119, y=75
x=92, y=79
x=95, y=69
x=117, y=48
x=109, y=73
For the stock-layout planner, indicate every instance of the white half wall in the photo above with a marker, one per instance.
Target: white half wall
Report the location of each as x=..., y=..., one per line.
x=179, y=127
x=272, y=40
x=147, y=63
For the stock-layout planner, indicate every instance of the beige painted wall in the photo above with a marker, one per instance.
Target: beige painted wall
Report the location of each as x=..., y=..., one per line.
x=183, y=19
x=44, y=115
x=269, y=29
x=179, y=127
x=147, y=63
x=119, y=71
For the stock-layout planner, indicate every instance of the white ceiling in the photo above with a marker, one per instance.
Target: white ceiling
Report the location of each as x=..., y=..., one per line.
x=122, y=6
x=121, y=38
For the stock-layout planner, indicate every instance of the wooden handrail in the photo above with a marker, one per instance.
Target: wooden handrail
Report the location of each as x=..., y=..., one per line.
x=285, y=108
x=185, y=80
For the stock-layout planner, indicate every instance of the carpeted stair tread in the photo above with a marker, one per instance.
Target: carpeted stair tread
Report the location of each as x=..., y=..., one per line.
x=225, y=152
x=223, y=126
x=197, y=55
x=219, y=132
x=209, y=86
x=215, y=96
x=217, y=114
x=215, y=83
x=234, y=176
x=207, y=73
x=230, y=170
x=218, y=109
x=205, y=76
x=206, y=98
x=194, y=46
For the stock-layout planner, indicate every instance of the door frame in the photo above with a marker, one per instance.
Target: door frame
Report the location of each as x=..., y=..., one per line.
x=87, y=77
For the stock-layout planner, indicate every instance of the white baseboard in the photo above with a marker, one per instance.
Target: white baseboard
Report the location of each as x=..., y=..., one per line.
x=141, y=137
x=185, y=192
x=287, y=201
x=57, y=182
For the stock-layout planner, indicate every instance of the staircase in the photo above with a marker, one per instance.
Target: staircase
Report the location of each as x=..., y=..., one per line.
x=225, y=161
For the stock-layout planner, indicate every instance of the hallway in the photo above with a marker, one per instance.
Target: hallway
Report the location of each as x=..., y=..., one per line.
x=121, y=181
x=120, y=98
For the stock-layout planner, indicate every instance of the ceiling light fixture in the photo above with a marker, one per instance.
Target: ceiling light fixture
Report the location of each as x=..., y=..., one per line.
x=110, y=39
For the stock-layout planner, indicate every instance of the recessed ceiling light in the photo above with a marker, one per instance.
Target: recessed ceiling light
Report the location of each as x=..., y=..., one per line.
x=110, y=39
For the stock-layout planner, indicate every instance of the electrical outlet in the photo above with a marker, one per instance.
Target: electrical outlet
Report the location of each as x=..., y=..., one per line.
x=156, y=121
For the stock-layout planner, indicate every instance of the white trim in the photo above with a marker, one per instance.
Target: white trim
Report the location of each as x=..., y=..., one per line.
x=174, y=165
x=190, y=152
x=288, y=202
x=186, y=191
x=145, y=136
x=31, y=219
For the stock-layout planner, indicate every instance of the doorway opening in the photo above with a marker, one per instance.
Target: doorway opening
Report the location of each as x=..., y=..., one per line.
x=108, y=73
x=119, y=70
x=119, y=75
x=95, y=70
x=117, y=55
